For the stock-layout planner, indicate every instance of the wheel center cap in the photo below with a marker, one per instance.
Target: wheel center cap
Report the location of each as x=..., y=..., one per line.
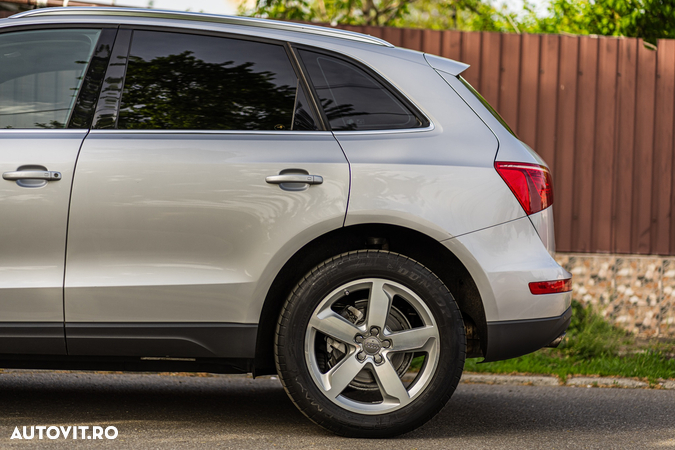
x=372, y=345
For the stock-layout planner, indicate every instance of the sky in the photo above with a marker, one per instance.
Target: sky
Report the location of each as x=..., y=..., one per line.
x=230, y=6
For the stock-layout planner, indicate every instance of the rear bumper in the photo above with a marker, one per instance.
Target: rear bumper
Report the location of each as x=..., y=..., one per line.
x=512, y=338
x=502, y=261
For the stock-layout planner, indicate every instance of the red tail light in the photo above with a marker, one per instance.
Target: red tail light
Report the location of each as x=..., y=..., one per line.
x=551, y=287
x=530, y=183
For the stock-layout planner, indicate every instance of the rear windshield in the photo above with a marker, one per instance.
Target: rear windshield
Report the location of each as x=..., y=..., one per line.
x=487, y=105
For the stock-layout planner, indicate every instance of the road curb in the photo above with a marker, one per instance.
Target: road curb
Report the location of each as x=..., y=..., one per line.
x=467, y=378
x=575, y=381
x=606, y=382
x=520, y=380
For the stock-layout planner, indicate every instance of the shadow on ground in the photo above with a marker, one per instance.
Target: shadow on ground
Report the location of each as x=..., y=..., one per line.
x=258, y=411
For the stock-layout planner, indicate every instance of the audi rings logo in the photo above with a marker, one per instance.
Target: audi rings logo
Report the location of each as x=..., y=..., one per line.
x=372, y=345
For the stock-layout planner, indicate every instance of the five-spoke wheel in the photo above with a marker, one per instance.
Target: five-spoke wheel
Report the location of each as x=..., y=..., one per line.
x=370, y=344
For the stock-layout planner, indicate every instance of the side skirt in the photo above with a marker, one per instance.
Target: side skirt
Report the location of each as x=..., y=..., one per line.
x=30, y=338
x=173, y=340
x=126, y=364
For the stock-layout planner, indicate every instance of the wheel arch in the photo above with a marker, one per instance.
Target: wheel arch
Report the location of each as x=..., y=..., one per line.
x=405, y=241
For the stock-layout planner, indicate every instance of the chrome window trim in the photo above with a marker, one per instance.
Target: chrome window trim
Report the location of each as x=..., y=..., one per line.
x=43, y=130
x=199, y=17
x=213, y=132
x=431, y=127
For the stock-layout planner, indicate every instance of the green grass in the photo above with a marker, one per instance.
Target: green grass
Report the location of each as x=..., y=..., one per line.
x=593, y=347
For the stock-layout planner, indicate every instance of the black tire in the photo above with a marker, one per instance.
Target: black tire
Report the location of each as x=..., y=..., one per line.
x=342, y=413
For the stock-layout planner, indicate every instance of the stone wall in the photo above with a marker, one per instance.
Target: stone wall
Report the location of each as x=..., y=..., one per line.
x=634, y=292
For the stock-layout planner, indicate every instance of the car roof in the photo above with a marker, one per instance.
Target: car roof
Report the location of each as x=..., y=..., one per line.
x=201, y=17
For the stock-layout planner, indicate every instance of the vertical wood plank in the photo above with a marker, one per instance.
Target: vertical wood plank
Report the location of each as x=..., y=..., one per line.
x=356, y=28
x=644, y=150
x=529, y=87
x=374, y=31
x=431, y=42
x=393, y=36
x=663, y=147
x=582, y=212
x=490, y=68
x=623, y=182
x=509, y=82
x=412, y=38
x=471, y=55
x=565, y=142
x=672, y=207
x=547, y=102
x=605, y=146
x=451, y=44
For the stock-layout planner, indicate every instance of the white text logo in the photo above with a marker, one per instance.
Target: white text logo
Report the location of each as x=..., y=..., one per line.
x=40, y=432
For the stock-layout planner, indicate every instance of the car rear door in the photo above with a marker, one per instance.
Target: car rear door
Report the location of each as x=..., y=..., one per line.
x=201, y=176
x=42, y=103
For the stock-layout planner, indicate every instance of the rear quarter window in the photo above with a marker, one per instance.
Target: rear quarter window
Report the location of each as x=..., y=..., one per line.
x=353, y=99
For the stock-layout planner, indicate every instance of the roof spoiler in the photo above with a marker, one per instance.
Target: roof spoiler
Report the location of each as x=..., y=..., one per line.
x=446, y=65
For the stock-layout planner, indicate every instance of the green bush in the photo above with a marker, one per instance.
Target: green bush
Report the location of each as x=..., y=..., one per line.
x=591, y=336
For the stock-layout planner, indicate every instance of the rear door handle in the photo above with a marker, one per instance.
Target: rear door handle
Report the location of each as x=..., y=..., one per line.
x=47, y=175
x=294, y=178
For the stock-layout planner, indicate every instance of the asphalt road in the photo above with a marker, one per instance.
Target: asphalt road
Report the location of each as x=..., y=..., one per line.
x=167, y=411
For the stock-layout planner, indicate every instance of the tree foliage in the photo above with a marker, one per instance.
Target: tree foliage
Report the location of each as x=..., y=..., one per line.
x=648, y=19
x=355, y=12
x=464, y=15
x=469, y=15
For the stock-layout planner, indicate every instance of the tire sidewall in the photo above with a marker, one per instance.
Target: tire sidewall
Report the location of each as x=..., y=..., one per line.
x=301, y=304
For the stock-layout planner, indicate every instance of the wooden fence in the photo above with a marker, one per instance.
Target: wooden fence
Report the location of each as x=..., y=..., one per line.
x=599, y=110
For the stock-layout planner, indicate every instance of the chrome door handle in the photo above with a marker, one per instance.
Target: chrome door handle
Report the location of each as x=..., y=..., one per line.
x=294, y=178
x=47, y=175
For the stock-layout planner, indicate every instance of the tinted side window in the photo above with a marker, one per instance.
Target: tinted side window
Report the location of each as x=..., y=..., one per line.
x=352, y=99
x=40, y=75
x=184, y=81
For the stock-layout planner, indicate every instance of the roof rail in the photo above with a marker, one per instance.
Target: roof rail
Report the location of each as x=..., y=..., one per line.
x=214, y=18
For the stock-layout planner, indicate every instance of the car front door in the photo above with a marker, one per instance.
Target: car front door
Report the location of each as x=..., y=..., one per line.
x=41, y=77
x=204, y=172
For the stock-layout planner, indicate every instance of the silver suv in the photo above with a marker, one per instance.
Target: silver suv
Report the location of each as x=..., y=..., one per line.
x=186, y=192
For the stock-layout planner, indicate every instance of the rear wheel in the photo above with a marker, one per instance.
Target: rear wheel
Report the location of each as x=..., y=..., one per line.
x=370, y=344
